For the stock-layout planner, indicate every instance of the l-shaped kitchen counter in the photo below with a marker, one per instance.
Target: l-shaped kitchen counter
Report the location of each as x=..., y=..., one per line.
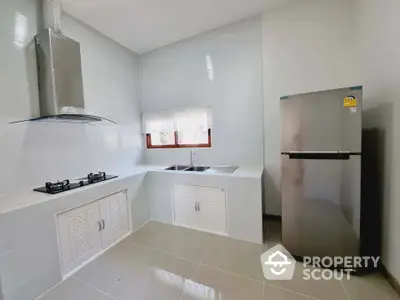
x=29, y=246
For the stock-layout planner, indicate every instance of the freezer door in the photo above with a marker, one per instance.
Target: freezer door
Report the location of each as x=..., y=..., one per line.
x=321, y=121
x=321, y=204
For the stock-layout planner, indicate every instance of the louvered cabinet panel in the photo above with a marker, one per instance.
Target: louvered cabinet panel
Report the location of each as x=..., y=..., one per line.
x=212, y=209
x=185, y=199
x=79, y=235
x=114, y=218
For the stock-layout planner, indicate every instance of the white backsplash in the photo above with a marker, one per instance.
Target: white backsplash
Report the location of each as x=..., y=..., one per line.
x=35, y=152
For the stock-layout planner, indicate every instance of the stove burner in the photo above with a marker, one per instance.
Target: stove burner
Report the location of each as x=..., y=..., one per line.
x=66, y=185
x=92, y=178
x=57, y=186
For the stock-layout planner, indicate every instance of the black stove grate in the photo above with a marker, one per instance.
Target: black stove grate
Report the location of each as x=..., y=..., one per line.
x=66, y=185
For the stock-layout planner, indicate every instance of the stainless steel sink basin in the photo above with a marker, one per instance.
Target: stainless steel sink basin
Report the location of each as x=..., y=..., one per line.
x=210, y=170
x=177, y=168
x=197, y=169
x=222, y=170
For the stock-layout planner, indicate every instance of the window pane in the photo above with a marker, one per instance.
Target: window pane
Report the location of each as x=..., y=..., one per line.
x=193, y=137
x=163, y=138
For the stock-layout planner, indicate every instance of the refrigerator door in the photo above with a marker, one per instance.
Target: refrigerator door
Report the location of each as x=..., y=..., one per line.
x=322, y=121
x=321, y=203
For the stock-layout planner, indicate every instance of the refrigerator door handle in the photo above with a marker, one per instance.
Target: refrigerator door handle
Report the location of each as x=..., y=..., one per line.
x=318, y=151
x=321, y=155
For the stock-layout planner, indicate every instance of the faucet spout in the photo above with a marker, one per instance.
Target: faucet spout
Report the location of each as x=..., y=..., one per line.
x=192, y=157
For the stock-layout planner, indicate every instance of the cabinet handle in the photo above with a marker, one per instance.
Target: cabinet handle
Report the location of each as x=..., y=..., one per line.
x=198, y=206
x=104, y=224
x=195, y=206
x=99, y=223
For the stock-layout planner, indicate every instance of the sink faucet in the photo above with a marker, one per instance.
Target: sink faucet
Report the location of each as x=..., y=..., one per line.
x=192, y=156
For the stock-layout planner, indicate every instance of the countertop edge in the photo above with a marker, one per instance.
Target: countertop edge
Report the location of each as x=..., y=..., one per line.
x=242, y=172
x=16, y=201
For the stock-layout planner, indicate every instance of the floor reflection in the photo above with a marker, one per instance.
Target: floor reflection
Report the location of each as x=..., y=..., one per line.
x=190, y=287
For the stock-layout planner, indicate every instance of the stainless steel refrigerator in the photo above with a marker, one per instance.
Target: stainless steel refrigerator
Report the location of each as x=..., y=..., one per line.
x=321, y=172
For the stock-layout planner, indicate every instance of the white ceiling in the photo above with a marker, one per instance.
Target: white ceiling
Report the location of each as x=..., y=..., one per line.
x=145, y=25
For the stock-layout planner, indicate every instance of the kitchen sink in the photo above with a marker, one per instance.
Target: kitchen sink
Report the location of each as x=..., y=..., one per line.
x=177, y=168
x=222, y=170
x=210, y=170
x=197, y=169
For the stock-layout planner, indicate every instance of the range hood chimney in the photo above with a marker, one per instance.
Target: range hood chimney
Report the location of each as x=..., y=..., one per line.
x=51, y=14
x=59, y=71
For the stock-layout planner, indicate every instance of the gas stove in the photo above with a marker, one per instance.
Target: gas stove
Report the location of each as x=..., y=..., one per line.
x=66, y=185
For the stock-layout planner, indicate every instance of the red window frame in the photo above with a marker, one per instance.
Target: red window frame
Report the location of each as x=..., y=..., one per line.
x=176, y=145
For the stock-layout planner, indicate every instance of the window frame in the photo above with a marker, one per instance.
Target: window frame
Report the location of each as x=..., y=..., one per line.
x=176, y=145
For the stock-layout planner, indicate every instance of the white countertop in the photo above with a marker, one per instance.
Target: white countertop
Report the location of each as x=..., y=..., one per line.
x=28, y=197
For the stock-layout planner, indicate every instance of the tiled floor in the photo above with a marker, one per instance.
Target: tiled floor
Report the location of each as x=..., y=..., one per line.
x=163, y=262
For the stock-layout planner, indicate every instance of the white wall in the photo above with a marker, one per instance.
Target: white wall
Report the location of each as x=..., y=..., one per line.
x=110, y=74
x=307, y=47
x=379, y=58
x=18, y=86
x=35, y=152
x=176, y=76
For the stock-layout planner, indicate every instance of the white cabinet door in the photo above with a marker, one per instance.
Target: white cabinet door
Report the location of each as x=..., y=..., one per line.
x=185, y=197
x=80, y=236
x=114, y=218
x=212, y=209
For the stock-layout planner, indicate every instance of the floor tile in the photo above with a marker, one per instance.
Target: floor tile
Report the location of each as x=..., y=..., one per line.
x=108, y=269
x=272, y=293
x=73, y=289
x=321, y=289
x=371, y=287
x=178, y=241
x=238, y=257
x=162, y=261
x=212, y=284
x=159, y=276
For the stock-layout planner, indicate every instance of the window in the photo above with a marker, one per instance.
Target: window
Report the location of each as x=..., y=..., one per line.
x=178, y=129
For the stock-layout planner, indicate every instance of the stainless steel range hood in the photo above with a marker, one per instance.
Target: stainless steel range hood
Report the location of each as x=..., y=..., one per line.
x=60, y=77
x=61, y=96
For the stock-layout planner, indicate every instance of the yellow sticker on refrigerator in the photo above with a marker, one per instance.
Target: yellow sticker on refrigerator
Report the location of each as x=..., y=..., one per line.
x=350, y=101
